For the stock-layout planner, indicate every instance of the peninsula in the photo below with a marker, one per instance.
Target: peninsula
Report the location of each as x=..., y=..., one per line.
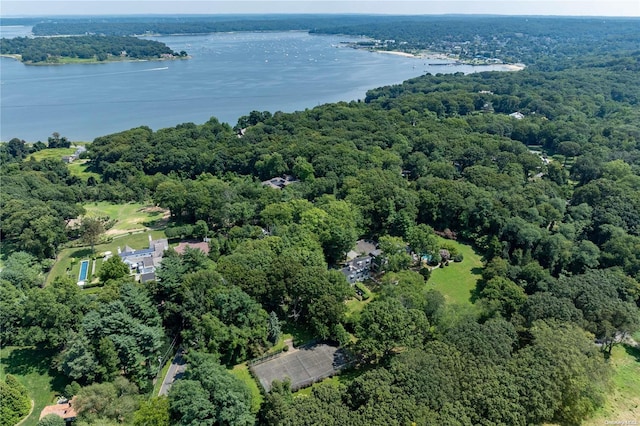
x=85, y=49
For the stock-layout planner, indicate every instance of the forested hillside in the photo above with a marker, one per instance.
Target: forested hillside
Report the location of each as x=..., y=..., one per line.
x=549, y=197
x=100, y=48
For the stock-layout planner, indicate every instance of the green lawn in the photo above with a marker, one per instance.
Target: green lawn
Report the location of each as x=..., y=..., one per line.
x=298, y=333
x=241, y=371
x=623, y=400
x=458, y=280
x=129, y=217
x=355, y=306
x=79, y=168
x=31, y=367
x=55, y=153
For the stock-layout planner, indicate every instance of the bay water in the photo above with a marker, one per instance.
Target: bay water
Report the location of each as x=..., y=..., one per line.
x=228, y=76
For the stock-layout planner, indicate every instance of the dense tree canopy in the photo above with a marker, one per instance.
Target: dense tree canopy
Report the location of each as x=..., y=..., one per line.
x=98, y=47
x=549, y=198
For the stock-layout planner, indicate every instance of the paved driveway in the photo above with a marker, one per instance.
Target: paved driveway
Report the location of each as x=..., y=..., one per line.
x=175, y=372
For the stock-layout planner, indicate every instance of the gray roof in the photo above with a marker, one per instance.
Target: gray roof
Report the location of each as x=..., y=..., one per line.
x=149, y=276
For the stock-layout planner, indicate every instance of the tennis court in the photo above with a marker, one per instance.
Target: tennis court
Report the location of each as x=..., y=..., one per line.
x=303, y=366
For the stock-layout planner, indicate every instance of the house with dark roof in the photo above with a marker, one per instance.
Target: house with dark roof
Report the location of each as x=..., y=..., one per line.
x=361, y=261
x=280, y=182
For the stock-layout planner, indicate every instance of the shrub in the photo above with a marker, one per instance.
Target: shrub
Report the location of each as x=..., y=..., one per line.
x=426, y=273
x=458, y=257
x=364, y=291
x=51, y=420
x=72, y=389
x=14, y=401
x=47, y=264
x=451, y=248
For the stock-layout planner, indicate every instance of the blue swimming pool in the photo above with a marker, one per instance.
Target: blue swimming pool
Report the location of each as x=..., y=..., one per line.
x=84, y=270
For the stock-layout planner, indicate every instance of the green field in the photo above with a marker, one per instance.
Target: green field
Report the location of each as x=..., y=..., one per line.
x=54, y=153
x=623, y=400
x=241, y=371
x=129, y=217
x=31, y=367
x=80, y=168
x=458, y=280
x=77, y=168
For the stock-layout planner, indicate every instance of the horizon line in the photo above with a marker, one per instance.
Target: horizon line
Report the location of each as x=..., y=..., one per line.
x=117, y=15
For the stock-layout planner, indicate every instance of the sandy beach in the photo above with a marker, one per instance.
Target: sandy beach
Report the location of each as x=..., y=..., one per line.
x=421, y=55
x=515, y=67
x=443, y=57
x=393, y=52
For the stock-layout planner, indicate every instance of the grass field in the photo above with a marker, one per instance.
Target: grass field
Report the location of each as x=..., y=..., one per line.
x=79, y=168
x=129, y=217
x=458, y=280
x=55, y=153
x=31, y=368
x=241, y=371
x=623, y=400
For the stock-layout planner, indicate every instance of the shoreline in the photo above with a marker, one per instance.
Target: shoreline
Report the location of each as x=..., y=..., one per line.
x=18, y=58
x=421, y=55
x=446, y=57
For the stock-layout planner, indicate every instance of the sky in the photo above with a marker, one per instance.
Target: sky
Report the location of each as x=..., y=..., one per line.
x=403, y=7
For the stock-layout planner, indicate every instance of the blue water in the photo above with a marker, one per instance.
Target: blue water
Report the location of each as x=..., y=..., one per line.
x=229, y=75
x=84, y=270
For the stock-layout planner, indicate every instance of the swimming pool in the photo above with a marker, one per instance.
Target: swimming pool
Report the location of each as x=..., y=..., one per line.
x=84, y=270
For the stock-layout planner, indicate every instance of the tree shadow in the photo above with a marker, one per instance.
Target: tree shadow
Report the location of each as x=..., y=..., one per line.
x=23, y=361
x=84, y=252
x=633, y=351
x=58, y=382
x=299, y=333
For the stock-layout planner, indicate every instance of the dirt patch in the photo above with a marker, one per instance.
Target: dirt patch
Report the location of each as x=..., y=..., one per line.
x=115, y=232
x=155, y=209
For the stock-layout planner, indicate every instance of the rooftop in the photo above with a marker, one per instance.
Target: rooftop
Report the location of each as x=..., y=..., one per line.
x=280, y=182
x=202, y=246
x=66, y=411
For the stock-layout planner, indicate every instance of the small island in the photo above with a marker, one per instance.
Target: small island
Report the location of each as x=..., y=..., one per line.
x=85, y=49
